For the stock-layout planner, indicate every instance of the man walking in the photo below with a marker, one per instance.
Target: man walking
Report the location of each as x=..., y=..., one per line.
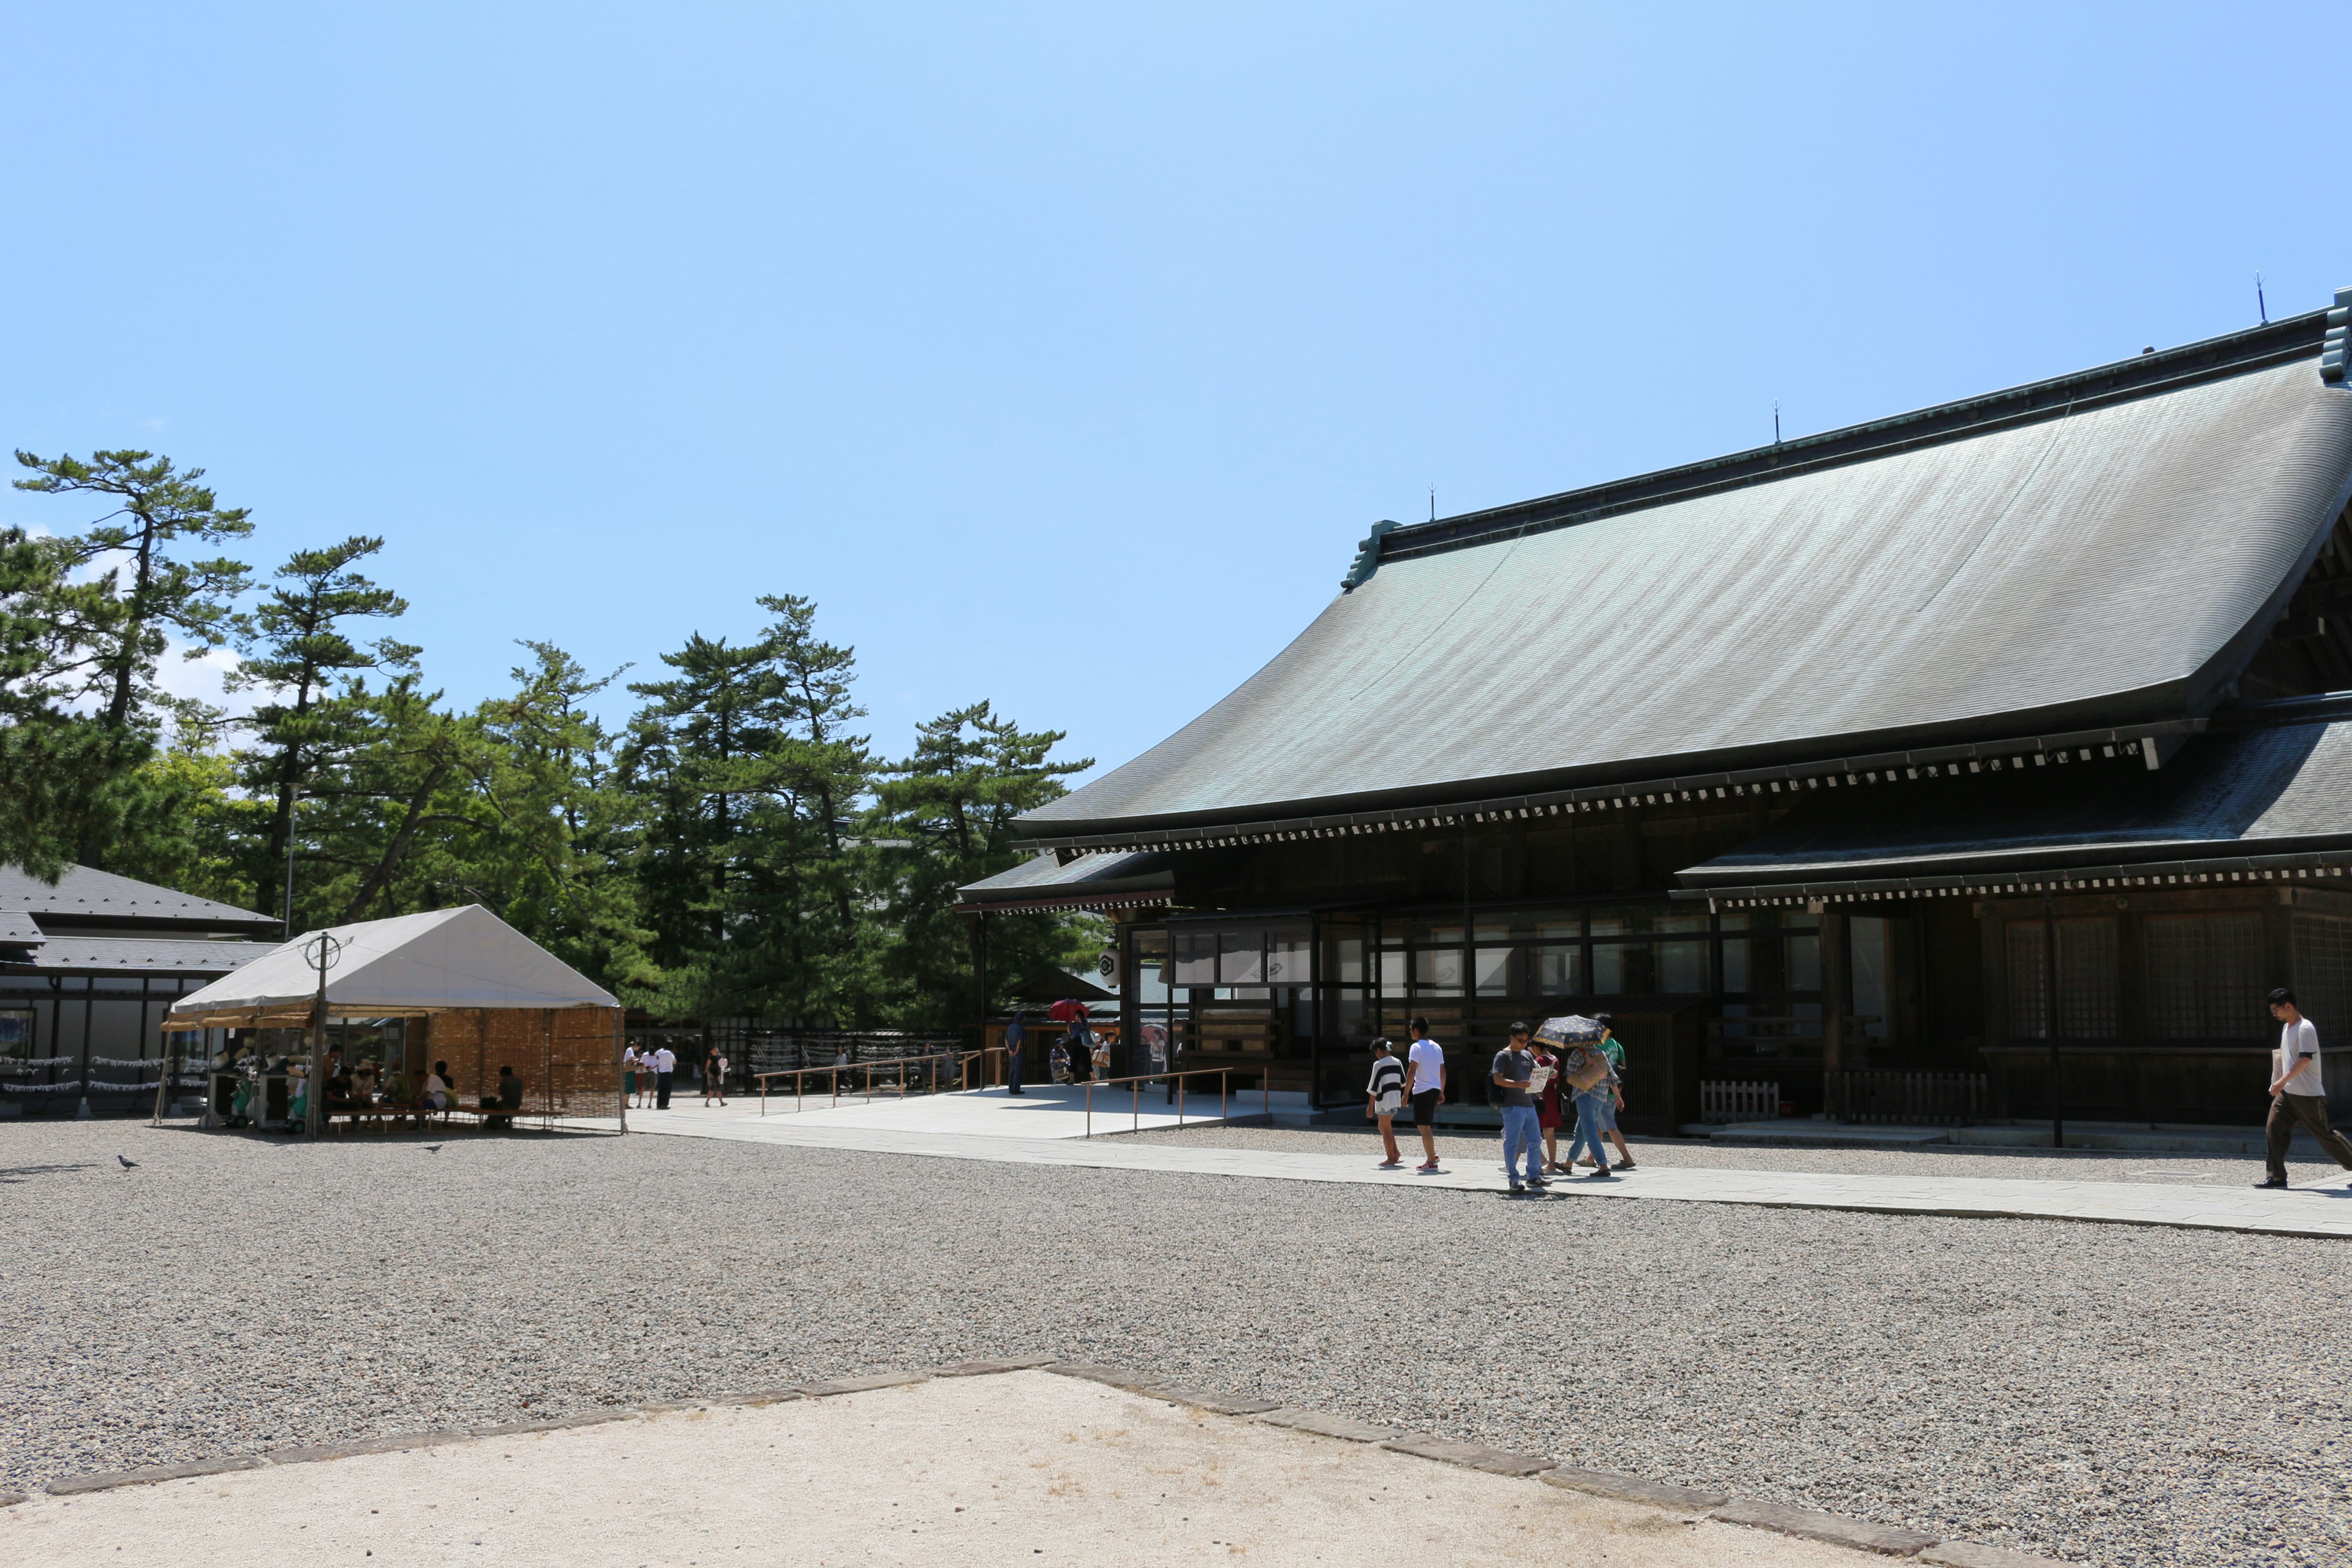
x=2298, y=1093
x=664, y=1068
x=1016, y=1040
x=1384, y=1096
x=1515, y=1074
x=1426, y=1083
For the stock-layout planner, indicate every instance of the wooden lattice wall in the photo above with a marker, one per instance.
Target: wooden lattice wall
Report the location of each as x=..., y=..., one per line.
x=567, y=1057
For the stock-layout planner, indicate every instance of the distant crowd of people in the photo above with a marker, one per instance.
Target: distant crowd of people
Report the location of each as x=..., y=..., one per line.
x=1077, y=1055
x=1537, y=1089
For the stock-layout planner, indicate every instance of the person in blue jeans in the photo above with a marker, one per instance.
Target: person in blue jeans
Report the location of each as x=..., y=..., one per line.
x=1514, y=1078
x=1016, y=1039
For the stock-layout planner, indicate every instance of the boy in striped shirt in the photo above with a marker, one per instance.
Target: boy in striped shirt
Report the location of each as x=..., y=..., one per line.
x=1385, y=1097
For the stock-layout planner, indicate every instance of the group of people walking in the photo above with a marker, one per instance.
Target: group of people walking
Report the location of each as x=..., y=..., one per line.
x=1537, y=1089
x=646, y=1077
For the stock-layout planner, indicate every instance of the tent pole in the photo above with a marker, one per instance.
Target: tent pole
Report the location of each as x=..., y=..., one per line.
x=314, y=1083
x=170, y=1043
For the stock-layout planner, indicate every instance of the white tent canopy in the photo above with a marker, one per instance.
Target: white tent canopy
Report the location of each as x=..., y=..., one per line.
x=408, y=965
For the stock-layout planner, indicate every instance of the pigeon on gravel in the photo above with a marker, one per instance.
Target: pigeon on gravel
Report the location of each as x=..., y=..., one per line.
x=127, y=1164
x=433, y=1148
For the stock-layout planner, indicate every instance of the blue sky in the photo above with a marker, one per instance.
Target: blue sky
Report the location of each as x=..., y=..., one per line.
x=1063, y=353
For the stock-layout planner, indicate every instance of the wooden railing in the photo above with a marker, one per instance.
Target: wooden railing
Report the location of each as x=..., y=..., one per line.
x=1176, y=1080
x=897, y=1066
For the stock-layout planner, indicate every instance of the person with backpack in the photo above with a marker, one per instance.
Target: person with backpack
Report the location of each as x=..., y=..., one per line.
x=1613, y=1101
x=1384, y=1096
x=1585, y=1067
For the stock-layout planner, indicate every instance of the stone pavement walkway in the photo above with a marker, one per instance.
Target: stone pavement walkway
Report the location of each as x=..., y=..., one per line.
x=1040, y=1110
x=925, y=1130
x=1024, y=1467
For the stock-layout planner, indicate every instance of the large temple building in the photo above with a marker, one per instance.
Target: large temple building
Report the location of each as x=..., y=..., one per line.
x=1983, y=762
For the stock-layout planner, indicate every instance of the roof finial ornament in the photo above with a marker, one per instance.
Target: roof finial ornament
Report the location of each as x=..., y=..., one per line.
x=2336, y=349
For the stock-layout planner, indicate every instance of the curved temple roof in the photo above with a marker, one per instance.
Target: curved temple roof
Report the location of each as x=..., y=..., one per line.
x=2108, y=565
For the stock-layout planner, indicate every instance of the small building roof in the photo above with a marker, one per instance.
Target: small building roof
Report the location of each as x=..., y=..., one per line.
x=411, y=964
x=92, y=898
x=160, y=955
x=1087, y=882
x=2105, y=549
x=2260, y=800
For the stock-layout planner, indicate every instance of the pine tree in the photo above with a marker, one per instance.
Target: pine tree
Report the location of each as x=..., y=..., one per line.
x=294, y=645
x=146, y=594
x=948, y=811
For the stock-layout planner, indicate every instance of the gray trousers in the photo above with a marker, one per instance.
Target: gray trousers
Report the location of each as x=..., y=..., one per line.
x=2311, y=1109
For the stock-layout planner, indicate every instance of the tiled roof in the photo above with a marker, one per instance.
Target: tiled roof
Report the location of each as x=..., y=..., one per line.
x=2112, y=558
x=90, y=897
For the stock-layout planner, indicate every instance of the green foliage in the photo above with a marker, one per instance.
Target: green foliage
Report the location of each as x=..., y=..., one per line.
x=65, y=775
x=294, y=647
x=945, y=816
x=741, y=849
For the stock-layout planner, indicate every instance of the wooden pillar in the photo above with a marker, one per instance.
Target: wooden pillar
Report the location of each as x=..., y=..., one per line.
x=1833, y=1002
x=620, y=1050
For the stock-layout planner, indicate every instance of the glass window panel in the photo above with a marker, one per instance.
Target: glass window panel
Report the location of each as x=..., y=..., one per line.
x=1392, y=971
x=1196, y=958
x=1150, y=944
x=1347, y=959
x=1804, y=970
x=16, y=1032
x=1866, y=938
x=1735, y=964
x=1152, y=983
x=1734, y=922
x=1623, y=967
x=1241, y=961
x=1560, y=930
x=1682, y=968
x=1437, y=971
x=1560, y=970
x=1287, y=958
x=1610, y=925
x=1493, y=970
x=1664, y=923
x=1350, y=1016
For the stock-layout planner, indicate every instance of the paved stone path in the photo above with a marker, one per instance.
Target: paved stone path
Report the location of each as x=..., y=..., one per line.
x=944, y=1127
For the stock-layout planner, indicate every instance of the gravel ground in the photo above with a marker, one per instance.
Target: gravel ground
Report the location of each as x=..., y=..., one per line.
x=2083, y=1165
x=2118, y=1394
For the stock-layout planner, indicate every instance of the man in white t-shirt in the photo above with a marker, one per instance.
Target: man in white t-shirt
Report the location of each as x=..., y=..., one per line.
x=2298, y=1093
x=1424, y=1067
x=664, y=1068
